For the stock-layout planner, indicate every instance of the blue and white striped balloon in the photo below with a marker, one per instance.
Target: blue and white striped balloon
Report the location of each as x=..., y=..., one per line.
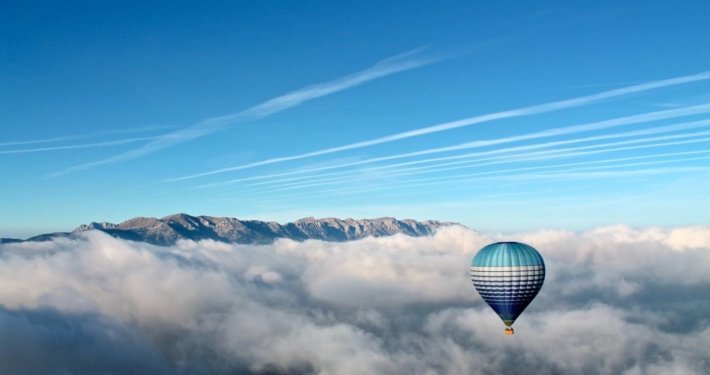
x=508, y=275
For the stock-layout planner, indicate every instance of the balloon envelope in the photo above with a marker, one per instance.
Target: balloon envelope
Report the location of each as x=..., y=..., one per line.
x=508, y=275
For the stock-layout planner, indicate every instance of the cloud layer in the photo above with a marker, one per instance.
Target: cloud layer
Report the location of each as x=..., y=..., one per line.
x=616, y=300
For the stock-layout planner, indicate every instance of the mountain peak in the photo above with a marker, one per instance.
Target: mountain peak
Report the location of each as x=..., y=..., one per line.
x=172, y=228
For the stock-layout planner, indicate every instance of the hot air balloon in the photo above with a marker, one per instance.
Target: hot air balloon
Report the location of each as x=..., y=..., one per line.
x=508, y=276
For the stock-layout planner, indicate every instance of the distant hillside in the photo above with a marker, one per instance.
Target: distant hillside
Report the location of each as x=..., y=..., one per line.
x=170, y=229
x=9, y=240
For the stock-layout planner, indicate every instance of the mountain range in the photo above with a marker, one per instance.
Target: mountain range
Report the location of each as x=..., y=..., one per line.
x=170, y=229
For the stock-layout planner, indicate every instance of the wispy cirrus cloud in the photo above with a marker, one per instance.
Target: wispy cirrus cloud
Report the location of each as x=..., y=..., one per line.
x=399, y=63
x=519, y=112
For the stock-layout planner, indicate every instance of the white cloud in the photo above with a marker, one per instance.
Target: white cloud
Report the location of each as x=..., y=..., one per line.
x=689, y=238
x=616, y=300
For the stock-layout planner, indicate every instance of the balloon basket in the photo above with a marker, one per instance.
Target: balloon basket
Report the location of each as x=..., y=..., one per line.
x=509, y=331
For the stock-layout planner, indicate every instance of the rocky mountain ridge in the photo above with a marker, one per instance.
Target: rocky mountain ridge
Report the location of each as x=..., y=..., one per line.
x=170, y=229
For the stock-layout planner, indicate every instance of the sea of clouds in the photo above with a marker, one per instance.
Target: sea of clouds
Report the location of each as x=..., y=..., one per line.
x=616, y=300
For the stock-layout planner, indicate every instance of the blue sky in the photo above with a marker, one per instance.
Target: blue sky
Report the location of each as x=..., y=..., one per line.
x=503, y=116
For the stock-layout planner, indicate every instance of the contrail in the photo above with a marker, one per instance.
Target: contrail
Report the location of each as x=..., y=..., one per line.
x=383, y=68
x=494, y=161
x=519, y=112
x=83, y=136
x=549, y=154
x=599, y=125
x=525, y=157
x=77, y=146
x=35, y=141
x=479, y=176
x=394, y=168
